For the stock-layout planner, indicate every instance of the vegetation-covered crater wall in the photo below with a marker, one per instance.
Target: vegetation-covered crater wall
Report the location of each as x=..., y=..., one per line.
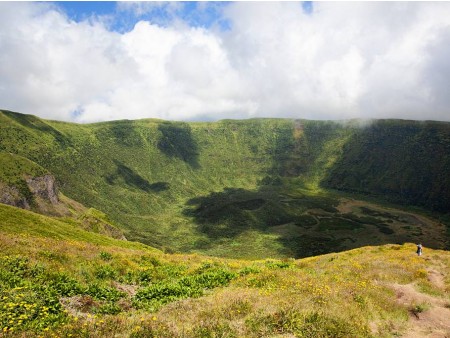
x=153, y=177
x=405, y=161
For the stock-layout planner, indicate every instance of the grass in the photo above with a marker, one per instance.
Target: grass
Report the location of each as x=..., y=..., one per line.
x=80, y=282
x=419, y=308
x=151, y=176
x=14, y=167
x=28, y=223
x=249, y=189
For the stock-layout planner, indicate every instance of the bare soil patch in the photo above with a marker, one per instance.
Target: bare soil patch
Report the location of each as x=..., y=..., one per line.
x=429, y=316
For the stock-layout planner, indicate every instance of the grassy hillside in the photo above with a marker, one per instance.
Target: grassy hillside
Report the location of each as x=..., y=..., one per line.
x=14, y=170
x=13, y=167
x=59, y=280
x=406, y=161
x=251, y=188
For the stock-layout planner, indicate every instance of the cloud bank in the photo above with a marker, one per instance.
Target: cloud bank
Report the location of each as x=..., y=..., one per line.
x=342, y=60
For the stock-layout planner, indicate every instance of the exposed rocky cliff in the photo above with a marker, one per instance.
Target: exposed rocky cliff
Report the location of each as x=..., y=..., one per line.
x=11, y=195
x=44, y=187
x=39, y=194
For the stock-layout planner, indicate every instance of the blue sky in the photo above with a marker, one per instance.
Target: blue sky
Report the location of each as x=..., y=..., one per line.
x=123, y=16
x=80, y=10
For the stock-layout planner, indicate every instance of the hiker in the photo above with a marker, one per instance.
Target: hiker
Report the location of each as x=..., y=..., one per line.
x=419, y=249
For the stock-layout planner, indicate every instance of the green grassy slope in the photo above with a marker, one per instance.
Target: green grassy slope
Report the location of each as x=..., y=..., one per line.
x=155, y=178
x=18, y=221
x=406, y=161
x=13, y=167
x=58, y=280
x=14, y=170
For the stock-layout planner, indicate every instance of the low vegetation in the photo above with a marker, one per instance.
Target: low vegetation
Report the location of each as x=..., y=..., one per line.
x=57, y=280
x=254, y=196
x=167, y=184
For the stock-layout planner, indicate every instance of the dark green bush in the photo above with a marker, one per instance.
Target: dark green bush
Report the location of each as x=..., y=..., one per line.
x=188, y=286
x=106, y=272
x=100, y=292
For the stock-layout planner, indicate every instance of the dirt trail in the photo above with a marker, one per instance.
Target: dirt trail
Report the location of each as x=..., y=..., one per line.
x=429, y=315
x=436, y=278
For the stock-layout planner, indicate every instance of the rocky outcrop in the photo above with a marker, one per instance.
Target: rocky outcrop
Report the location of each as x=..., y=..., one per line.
x=11, y=195
x=39, y=194
x=44, y=187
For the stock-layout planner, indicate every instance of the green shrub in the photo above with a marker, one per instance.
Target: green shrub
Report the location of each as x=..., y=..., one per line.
x=105, y=272
x=106, y=256
x=419, y=308
x=144, y=276
x=249, y=270
x=188, y=286
x=100, y=292
x=64, y=285
x=18, y=266
x=9, y=280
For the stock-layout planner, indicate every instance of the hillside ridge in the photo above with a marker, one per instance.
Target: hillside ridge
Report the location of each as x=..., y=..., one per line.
x=275, y=183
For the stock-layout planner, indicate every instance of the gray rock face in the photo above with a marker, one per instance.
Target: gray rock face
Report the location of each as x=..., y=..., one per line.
x=44, y=194
x=11, y=196
x=44, y=187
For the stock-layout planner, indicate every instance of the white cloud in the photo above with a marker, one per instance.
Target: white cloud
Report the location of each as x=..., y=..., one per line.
x=345, y=60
